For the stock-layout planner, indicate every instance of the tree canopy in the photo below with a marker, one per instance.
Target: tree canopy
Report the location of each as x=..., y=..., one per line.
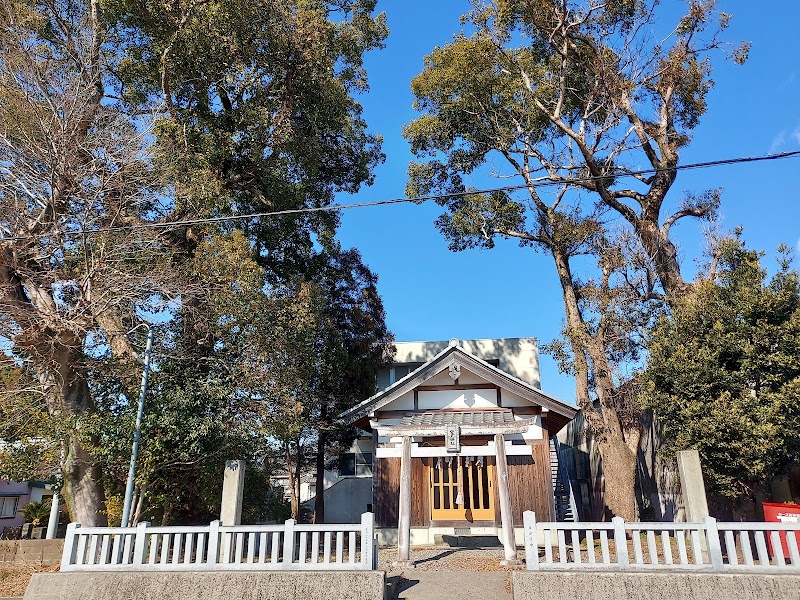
x=723, y=375
x=119, y=117
x=566, y=101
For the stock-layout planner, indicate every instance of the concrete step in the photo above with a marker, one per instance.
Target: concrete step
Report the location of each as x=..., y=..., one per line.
x=467, y=541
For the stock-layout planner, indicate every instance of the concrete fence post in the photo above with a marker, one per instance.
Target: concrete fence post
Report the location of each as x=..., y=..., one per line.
x=714, y=547
x=70, y=547
x=213, y=543
x=288, y=543
x=531, y=543
x=620, y=542
x=367, y=540
x=52, y=522
x=140, y=543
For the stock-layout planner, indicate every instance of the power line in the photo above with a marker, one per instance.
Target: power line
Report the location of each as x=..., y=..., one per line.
x=418, y=199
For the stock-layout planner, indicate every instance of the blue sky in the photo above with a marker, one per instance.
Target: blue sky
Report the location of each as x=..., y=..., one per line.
x=431, y=293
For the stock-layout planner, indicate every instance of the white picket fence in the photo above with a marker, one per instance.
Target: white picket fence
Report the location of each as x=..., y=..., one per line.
x=255, y=547
x=695, y=546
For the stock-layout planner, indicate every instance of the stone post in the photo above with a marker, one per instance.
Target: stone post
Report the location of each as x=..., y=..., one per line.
x=693, y=489
x=232, y=488
x=507, y=519
x=692, y=486
x=404, y=518
x=230, y=513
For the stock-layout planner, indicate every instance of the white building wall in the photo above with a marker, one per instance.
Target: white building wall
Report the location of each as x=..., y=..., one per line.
x=455, y=400
x=348, y=496
x=518, y=357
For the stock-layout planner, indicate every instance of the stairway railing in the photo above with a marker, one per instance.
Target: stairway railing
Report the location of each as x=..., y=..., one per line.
x=564, y=479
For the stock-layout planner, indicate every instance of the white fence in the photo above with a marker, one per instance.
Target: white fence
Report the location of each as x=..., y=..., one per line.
x=256, y=547
x=695, y=546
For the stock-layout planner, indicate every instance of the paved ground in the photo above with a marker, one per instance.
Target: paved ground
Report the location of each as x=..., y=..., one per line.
x=443, y=573
x=451, y=585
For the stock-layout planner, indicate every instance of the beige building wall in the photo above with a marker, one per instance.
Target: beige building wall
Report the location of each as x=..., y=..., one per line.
x=518, y=357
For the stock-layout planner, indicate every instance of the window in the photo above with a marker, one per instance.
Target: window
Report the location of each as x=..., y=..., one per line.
x=8, y=506
x=395, y=373
x=358, y=464
x=384, y=378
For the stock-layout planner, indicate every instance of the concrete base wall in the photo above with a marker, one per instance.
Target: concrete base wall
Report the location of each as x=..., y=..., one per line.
x=209, y=585
x=674, y=585
x=31, y=552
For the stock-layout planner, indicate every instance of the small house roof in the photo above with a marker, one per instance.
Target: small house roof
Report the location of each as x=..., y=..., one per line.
x=456, y=357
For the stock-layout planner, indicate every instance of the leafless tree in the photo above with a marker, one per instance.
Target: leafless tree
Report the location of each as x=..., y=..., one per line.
x=78, y=260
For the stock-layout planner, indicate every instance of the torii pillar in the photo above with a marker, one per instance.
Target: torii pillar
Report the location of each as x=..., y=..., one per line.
x=504, y=491
x=404, y=518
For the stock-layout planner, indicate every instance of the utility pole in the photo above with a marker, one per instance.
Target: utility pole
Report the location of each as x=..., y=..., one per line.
x=137, y=434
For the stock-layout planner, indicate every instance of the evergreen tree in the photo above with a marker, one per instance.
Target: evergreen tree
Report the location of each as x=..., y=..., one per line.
x=723, y=375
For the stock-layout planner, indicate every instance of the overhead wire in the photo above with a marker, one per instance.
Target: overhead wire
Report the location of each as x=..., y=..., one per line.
x=544, y=182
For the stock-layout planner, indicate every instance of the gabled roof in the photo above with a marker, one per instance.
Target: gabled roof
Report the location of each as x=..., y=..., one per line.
x=457, y=357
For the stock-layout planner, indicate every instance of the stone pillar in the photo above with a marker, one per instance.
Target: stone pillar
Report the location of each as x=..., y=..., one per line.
x=693, y=489
x=232, y=488
x=230, y=513
x=692, y=486
x=404, y=517
x=504, y=492
x=52, y=523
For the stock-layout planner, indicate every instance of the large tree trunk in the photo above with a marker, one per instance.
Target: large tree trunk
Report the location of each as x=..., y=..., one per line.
x=83, y=487
x=664, y=255
x=619, y=472
x=618, y=443
x=68, y=394
x=619, y=459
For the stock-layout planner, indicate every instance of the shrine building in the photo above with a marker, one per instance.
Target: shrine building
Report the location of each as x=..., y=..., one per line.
x=460, y=437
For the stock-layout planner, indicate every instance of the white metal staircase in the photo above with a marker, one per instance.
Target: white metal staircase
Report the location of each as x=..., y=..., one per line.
x=564, y=500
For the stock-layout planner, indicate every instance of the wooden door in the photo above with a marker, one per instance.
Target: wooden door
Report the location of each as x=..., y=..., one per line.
x=477, y=483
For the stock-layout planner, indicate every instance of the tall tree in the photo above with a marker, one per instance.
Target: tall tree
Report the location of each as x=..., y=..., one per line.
x=353, y=344
x=72, y=172
x=723, y=374
x=116, y=115
x=317, y=346
x=258, y=106
x=592, y=95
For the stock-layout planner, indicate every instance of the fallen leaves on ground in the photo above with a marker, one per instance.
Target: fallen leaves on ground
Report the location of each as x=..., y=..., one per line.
x=14, y=578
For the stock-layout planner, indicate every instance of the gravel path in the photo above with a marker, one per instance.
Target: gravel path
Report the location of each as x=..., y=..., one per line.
x=14, y=578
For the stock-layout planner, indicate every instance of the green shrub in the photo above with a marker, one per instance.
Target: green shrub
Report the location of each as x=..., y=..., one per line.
x=37, y=512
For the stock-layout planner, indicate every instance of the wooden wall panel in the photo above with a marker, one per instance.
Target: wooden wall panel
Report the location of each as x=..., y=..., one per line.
x=386, y=491
x=541, y=454
x=529, y=480
x=420, y=488
x=498, y=515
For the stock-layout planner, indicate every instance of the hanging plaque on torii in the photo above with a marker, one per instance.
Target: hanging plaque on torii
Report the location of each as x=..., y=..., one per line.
x=452, y=438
